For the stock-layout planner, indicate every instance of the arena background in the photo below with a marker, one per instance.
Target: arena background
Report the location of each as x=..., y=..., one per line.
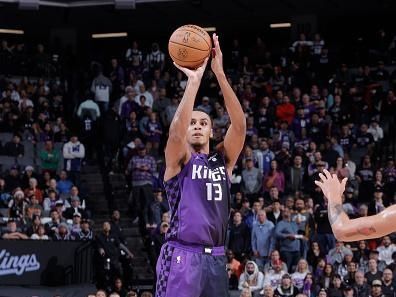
x=350, y=29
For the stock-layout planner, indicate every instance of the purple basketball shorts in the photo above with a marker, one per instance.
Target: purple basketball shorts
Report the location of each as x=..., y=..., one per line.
x=191, y=271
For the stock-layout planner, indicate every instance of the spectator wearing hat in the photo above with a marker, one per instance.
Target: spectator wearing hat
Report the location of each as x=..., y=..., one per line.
x=205, y=105
x=379, y=203
x=251, y=278
x=73, y=154
x=347, y=291
x=376, y=288
x=85, y=232
x=286, y=287
x=360, y=287
x=27, y=175
x=74, y=208
x=17, y=205
x=75, y=226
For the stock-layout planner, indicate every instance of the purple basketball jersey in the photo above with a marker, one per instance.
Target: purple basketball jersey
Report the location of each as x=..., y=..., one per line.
x=199, y=197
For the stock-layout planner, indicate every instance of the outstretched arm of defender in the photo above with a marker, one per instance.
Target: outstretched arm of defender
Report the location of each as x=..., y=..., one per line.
x=176, y=147
x=235, y=136
x=346, y=229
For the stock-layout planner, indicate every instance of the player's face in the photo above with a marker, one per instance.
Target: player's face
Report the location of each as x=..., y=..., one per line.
x=199, y=130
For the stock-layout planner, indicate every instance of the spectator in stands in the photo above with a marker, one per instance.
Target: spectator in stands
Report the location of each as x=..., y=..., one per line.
x=251, y=180
x=116, y=228
x=299, y=275
x=40, y=233
x=158, y=238
x=275, y=177
x=251, y=278
x=142, y=92
x=64, y=185
x=239, y=241
x=156, y=209
x=62, y=233
x=361, y=288
x=263, y=241
x=128, y=103
x=373, y=273
x=286, y=287
x=234, y=269
x=153, y=131
x=286, y=232
x=155, y=59
x=85, y=232
x=12, y=232
x=52, y=226
x=134, y=57
x=14, y=148
x=274, y=257
x=101, y=293
x=376, y=288
x=102, y=87
x=75, y=208
x=118, y=288
x=337, y=254
x=73, y=154
x=142, y=168
x=17, y=205
x=109, y=247
x=386, y=250
x=88, y=108
x=273, y=277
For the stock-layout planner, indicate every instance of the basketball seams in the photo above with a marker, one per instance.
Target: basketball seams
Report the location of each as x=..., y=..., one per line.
x=181, y=44
x=209, y=45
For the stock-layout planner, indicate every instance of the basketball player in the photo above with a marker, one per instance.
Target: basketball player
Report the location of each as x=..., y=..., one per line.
x=345, y=229
x=192, y=262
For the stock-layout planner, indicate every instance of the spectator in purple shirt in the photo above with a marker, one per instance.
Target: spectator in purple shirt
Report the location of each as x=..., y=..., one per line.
x=142, y=168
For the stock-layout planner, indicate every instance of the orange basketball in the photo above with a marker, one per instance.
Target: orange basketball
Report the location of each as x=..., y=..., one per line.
x=189, y=45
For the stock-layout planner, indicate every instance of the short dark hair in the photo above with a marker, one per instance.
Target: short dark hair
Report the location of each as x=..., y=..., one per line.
x=205, y=112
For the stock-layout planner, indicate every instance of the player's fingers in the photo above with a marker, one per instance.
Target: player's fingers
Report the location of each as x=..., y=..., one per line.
x=327, y=173
x=343, y=183
x=318, y=183
x=322, y=177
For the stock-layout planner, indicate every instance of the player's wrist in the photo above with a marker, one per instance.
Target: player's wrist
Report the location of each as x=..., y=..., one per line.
x=220, y=74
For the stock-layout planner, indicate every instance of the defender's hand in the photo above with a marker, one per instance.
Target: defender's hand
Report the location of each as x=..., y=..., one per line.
x=331, y=187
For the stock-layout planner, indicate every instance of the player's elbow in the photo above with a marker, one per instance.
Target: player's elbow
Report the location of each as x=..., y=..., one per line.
x=339, y=233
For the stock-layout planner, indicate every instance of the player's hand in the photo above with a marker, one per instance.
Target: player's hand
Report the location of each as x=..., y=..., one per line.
x=217, y=57
x=331, y=187
x=193, y=75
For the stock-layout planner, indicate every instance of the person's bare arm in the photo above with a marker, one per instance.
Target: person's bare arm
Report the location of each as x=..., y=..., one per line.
x=345, y=229
x=235, y=136
x=176, y=151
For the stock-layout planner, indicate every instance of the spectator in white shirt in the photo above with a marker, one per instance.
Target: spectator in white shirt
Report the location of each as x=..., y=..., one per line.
x=386, y=250
x=143, y=92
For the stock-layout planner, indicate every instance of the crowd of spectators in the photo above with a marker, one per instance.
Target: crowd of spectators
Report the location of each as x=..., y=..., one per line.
x=304, y=113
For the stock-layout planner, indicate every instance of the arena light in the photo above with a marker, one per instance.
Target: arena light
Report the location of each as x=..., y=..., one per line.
x=280, y=25
x=12, y=31
x=110, y=35
x=210, y=29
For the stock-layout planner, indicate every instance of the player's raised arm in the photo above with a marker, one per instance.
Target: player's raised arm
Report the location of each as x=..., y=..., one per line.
x=176, y=151
x=235, y=136
x=346, y=229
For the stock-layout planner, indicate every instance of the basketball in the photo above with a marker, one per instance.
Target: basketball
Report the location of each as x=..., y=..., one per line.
x=189, y=46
